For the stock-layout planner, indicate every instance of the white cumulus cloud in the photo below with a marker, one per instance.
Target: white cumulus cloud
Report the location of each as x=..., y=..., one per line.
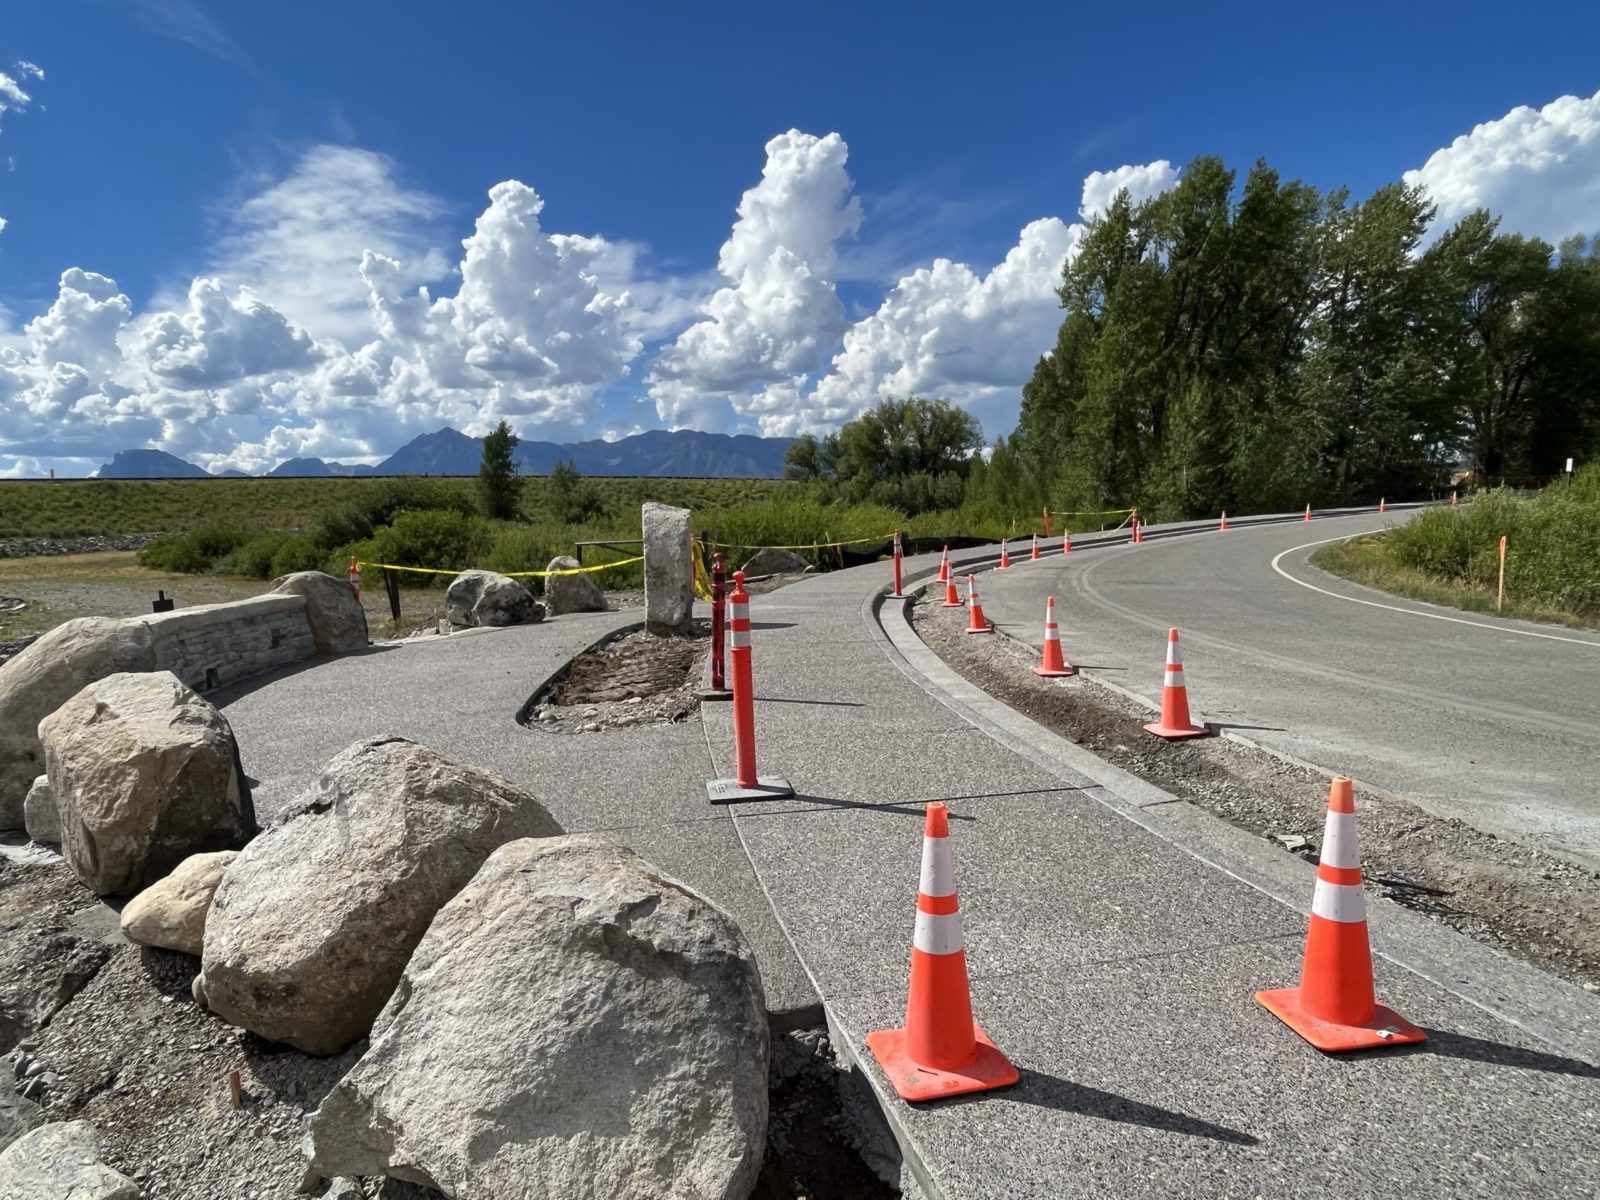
x=13, y=98
x=948, y=330
x=779, y=315
x=1538, y=169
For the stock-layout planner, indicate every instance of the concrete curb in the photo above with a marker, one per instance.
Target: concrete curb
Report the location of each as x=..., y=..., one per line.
x=1558, y=1013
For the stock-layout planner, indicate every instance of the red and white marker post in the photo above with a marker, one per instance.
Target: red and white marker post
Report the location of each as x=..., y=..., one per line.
x=746, y=783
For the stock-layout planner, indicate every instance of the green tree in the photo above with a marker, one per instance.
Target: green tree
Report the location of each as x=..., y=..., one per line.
x=811, y=458
x=499, y=489
x=572, y=498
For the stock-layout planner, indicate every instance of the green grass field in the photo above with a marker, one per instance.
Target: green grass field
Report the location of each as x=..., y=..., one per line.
x=80, y=507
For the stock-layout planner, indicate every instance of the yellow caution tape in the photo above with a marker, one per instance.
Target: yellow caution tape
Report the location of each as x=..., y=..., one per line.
x=702, y=580
x=508, y=574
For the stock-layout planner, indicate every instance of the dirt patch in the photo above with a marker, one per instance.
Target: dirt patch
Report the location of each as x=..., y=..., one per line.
x=637, y=679
x=1532, y=905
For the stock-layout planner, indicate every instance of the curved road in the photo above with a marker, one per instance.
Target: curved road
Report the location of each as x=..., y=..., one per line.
x=1495, y=722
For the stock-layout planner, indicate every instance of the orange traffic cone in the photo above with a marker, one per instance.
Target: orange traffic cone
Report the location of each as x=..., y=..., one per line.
x=1382, y=502
x=1034, y=557
x=1223, y=524
x=1066, y=543
x=1054, y=663
x=951, y=598
x=1308, y=512
x=940, y=1051
x=976, y=623
x=1005, y=557
x=1334, y=1007
x=1137, y=536
x=1175, y=723
x=944, y=566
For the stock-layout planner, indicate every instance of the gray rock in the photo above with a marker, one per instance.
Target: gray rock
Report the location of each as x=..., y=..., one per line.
x=144, y=773
x=668, y=569
x=639, y=1030
x=61, y=1161
x=42, y=678
x=338, y=622
x=484, y=598
x=571, y=593
x=18, y=1114
x=312, y=924
x=171, y=914
x=775, y=562
x=39, y=815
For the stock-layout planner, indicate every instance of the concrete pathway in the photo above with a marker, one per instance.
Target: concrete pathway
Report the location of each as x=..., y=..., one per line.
x=1114, y=935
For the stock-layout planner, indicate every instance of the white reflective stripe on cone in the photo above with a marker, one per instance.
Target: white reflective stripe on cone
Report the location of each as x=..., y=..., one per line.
x=1172, y=655
x=938, y=874
x=739, y=638
x=1052, y=634
x=1339, y=848
x=938, y=934
x=1172, y=678
x=741, y=612
x=1342, y=902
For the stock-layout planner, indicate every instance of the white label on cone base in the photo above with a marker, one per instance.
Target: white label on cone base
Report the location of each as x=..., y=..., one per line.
x=938, y=934
x=938, y=874
x=1342, y=902
x=1339, y=848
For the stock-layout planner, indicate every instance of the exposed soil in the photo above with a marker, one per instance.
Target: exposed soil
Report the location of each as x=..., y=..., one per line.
x=1516, y=898
x=637, y=679
x=108, y=1033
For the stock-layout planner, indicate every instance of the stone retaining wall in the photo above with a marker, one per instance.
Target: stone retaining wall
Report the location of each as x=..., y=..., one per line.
x=211, y=645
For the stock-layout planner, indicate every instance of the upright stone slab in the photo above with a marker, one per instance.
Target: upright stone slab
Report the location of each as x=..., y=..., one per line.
x=668, y=570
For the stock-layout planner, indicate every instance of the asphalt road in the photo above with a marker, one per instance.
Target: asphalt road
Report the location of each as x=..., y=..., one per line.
x=1495, y=722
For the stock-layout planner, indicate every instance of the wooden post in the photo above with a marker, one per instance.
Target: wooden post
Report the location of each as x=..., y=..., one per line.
x=1500, y=601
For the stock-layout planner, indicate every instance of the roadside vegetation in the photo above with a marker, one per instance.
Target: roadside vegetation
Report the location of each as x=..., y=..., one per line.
x=1450, y=556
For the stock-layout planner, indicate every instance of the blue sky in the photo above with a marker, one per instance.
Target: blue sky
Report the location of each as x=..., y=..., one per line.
x=266, y=146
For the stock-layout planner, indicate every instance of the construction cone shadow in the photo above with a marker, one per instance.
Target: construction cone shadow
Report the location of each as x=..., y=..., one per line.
x=1335, y=1008
x=1174, y=723
x=940, y=1051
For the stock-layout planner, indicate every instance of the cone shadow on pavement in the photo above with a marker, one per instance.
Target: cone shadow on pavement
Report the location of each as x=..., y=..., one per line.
x=1063, y=1095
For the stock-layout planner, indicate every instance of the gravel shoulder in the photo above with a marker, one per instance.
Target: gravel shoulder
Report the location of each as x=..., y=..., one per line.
x=1532, y=905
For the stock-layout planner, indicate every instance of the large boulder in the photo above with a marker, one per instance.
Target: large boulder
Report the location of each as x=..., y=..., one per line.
x=42, y=677
x=39, y=815
x=485, y=598
x=338, y=622
x=171, y=914
x=144, y=774
x=668, y=569
x=574, y=1024
x=18, y=1114
x=61, y=1161
x=312, y=924
x=571, y=593
x=774, y=562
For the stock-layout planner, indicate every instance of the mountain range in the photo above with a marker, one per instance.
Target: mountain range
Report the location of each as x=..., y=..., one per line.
x=656, y=452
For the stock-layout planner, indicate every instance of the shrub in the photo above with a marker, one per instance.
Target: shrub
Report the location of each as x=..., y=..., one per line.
x=440, y=539
x=193, y=552
x=296, y=554
x=254, y=558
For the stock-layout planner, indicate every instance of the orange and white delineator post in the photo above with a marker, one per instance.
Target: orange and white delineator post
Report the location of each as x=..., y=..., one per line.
x=1334, y=1008
x=1034, y=557
x=897, y=593
x=1005, y=557
x=976, y=622
x=1066, y=542
x=944, y=566
x=1138, y=531
x=1054, y=664
x=940, y=1051
x=746, y=784
x=1174, y=723
x=355, y=576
